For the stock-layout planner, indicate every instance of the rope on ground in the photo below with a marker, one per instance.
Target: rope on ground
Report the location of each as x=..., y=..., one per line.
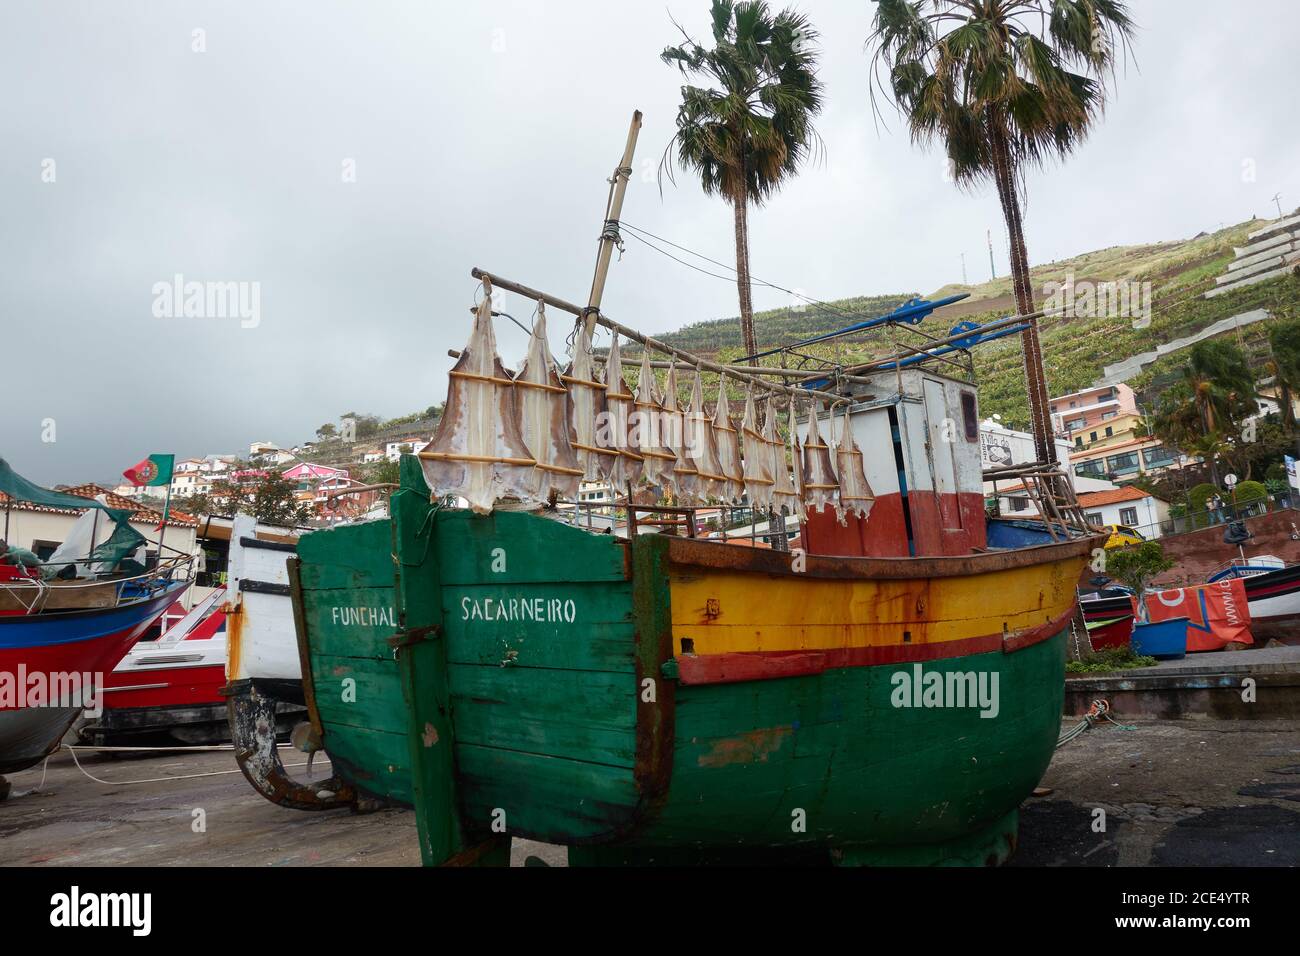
x=185, y=776
x=45, y=766
x=1100, y=710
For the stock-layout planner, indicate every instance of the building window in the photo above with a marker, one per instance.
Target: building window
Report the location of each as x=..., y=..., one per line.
x=43, y=549
x=1123, y=464
x=1019, y=504
x=1094, y=517
x=1078, y=442
x=1092, y=436
x=1128, y=516
x=1109, y=431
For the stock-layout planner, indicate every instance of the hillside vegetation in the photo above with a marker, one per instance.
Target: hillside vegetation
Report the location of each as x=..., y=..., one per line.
x=1076, y=349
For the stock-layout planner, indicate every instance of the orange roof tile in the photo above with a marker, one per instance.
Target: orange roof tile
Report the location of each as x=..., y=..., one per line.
x=1111, y=496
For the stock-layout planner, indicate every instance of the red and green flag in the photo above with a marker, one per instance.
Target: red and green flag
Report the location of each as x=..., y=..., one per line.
x=154, y=470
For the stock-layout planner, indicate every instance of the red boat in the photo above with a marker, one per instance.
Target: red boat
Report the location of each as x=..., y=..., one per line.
x=169, y=689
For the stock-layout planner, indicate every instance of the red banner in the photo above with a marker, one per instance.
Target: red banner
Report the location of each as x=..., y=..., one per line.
x=1217, y=613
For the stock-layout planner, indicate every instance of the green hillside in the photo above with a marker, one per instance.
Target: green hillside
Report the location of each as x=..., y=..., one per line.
x=1076, y=349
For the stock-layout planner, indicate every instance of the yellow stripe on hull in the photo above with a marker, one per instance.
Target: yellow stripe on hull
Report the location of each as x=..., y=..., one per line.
x=728, y=612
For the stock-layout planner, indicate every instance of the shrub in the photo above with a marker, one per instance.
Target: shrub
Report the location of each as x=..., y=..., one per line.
x=1196, y=499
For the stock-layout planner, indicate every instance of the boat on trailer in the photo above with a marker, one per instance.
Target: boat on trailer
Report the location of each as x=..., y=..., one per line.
x=889, y=693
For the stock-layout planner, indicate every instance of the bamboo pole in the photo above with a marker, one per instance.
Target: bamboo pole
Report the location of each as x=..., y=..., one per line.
x=609, y=238
x=685, y=357
x=800, y=373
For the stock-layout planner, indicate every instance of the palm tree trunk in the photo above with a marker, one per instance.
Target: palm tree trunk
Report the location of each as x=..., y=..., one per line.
x=741, y=208
x=1004, y=175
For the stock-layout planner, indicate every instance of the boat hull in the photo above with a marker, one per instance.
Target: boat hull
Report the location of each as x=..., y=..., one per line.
x=666, y=696
x=54, y=647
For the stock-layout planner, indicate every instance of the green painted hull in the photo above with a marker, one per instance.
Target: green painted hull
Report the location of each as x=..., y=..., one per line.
x=519, y=688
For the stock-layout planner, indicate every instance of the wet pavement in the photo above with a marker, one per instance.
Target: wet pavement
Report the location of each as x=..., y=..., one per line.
x=1170, y=793
x=1193, y=792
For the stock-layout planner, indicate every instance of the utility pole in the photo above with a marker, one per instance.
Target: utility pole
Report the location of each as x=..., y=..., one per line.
x=963, y=270
x=1278, y=199
x=993, y=270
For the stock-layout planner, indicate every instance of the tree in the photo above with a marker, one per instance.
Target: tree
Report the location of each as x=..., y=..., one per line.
x=326, y=431
x=1202, y=413
x=1003, y=86
x=1136, y=566
x=1284, y=343
x=271, y=499
x=751, y=129
x=384, y=472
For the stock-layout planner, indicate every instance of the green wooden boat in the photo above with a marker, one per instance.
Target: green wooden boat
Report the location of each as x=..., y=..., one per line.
x=674, y=700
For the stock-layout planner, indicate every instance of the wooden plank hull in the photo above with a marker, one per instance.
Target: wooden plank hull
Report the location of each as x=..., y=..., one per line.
x=666, y=697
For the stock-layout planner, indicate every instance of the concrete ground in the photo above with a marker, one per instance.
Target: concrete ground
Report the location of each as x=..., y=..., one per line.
x=1174, y=792
x=1192, y=792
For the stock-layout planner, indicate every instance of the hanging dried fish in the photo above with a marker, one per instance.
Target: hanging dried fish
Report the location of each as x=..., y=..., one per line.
x=728, y=439
x=685, y=477
x=820, y=487
x=544, y=412
x=478, y=451
x=586, y=407
x=702, y=446
x=647, y=429
x=624, y=468
x=785, y=494
x=856, y=496
x=758, y=457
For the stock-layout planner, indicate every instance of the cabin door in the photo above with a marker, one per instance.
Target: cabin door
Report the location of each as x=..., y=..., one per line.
x=945, y=432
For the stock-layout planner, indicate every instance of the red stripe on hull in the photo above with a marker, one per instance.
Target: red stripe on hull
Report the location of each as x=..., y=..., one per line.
x=741, y=666
x=185, y=687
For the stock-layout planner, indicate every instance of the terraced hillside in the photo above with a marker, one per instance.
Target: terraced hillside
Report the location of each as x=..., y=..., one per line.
x=1076, y=348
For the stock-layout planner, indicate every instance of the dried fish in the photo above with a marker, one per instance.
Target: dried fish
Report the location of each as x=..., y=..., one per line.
x=856, y=496
x=786, y=494
x=543, y=405
x=647, y=436
x=685, y=476
x=702, y=446
x=586, y=407
x=820, y=487
x=478, y=451
x=728, y=438
x=758, y=458
x=624, y=467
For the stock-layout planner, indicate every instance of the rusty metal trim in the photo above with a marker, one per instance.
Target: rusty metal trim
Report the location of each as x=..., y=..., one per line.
x=686, y=552
x=253, y=732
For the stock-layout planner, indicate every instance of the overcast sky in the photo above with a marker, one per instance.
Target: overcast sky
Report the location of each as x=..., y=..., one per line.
x=482, y=134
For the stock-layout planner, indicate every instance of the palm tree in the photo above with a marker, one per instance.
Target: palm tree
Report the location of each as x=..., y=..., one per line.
x=1003, y=85
x=1284, y=343
x=751, y=128
x=1221, y=384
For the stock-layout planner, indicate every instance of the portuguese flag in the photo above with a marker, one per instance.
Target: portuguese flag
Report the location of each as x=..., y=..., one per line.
x=154, y=470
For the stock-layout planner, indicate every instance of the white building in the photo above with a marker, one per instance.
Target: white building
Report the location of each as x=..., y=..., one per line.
x=1128, y=506
x=413, y=446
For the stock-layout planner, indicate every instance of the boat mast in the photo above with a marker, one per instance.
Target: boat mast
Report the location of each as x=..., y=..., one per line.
x=609, y=235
